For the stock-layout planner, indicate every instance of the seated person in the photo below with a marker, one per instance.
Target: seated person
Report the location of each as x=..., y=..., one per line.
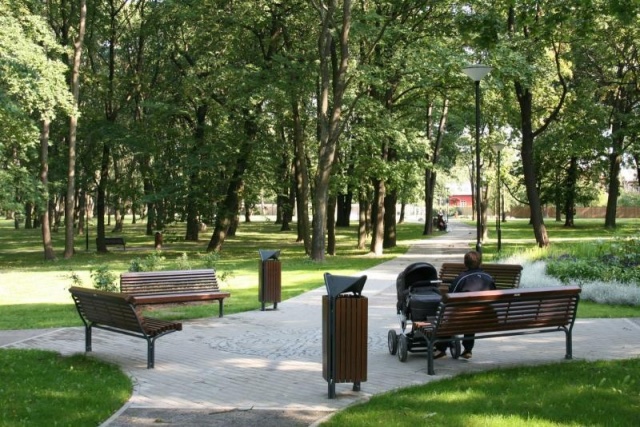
x=471, y=280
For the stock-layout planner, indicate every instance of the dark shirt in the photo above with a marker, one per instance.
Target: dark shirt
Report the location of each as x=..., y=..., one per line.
x=471, y=281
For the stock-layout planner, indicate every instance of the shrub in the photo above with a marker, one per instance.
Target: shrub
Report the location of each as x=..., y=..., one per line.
x=104, y=279
x=150, y=263
x=616, y=260
x=183, y=262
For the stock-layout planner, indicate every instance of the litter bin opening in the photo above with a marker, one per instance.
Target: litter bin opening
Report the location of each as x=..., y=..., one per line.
x=268, y=254
x=337, y=285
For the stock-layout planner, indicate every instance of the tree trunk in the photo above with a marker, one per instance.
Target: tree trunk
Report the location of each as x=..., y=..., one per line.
x=331, y=225
x=193, y=194
x=528, y=165
x=101, y=197
x=28, y=216
x=44, y=179
x=570, y=192
x=229, y=208
x=615, y=160
x=332, y=81
x=377, y=218
x=430, y=175
x=390, y=230
x=363, y=222
x=73, y=125
x=301, y=179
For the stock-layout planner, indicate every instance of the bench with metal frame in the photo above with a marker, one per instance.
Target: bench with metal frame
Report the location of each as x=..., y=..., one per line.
x=499, y=313
x=114, y=241
x=117, y=312
x=173, y=286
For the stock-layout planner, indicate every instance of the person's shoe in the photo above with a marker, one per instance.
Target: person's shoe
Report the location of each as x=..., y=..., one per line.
x=439, y=354
x=466, y=355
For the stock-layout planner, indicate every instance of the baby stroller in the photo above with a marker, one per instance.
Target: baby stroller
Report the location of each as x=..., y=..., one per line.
x=418, y=299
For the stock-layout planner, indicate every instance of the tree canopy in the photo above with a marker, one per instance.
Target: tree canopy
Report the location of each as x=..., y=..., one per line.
x=195, y=111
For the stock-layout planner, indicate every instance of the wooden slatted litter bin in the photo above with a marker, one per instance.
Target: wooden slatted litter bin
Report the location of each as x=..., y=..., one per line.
x=270, y=278
x=344, y=332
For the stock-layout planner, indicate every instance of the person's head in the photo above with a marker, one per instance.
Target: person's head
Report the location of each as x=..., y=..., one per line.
x=472, y=260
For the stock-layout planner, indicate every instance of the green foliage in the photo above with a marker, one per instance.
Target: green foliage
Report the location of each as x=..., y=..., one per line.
x=183, y=262
x=615, y=260
x=151, y=262
x=629, y=199
x=75, y=278
x=104, y=279
x=41, y=388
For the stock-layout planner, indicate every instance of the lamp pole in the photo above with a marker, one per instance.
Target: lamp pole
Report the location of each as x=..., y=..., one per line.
x=498, y=147
x=476, y=72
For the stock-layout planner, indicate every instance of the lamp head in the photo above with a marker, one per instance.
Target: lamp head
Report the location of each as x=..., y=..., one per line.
x=476, y=71
x=498, y=147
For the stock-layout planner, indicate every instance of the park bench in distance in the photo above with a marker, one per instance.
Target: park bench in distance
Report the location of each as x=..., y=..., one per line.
x=173, y=286
x=506, y=276
x=500, y=313
x=113, y=241
x=118, y=313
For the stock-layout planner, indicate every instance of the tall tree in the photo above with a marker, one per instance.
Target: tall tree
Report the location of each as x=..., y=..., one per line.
x=73, y=125
x=34, y=81
x=333, y=49
x=608, y=54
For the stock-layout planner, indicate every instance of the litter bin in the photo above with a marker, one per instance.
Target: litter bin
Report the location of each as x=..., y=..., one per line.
x=344, y=332
x=158, y=241
x=270, y=278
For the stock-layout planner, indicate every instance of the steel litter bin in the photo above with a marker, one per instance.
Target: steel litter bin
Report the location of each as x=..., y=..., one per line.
x=270, y=278
x=344, y=332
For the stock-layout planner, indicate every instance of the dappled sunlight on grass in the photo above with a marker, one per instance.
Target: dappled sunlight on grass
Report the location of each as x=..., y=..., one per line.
x=559, y=394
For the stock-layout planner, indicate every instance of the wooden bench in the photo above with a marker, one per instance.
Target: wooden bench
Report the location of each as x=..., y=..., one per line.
x=117, y=312
x=506, y=276
x=501, y=313
x=174, y=286
x=113, y=241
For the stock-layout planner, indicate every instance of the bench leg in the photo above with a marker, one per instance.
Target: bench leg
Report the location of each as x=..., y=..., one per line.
x=87, y=338
x=569, y=354
x=221, y=308
x=151, y=352
x=430, y=369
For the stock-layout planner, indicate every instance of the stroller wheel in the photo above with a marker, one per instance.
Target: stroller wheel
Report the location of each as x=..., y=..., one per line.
x=392, y=341
x=403, y=348
x=456, y=349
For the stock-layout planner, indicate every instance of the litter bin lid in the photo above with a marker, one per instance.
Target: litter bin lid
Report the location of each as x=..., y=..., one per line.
x=266, y=254
x=337, y=285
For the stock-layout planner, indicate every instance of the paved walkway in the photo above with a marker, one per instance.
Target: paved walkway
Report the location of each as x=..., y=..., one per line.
x=272, y=361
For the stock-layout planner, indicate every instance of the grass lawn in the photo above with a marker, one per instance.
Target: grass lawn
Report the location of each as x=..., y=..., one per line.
x=42, y=388
x=33, y=294
x=560, y=394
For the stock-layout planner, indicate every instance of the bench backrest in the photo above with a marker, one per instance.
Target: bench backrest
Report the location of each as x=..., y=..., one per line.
x=506, y=276
x=107, y=308
x=509, y=309
x=166, y=282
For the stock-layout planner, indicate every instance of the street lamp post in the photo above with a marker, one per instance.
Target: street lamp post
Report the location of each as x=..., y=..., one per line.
x=476, y=72
x=498, y=147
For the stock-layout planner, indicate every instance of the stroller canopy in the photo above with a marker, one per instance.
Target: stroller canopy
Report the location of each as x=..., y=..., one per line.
x=416, y=275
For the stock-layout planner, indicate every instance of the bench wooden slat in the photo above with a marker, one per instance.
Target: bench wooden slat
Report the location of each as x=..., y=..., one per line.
x=506, y=276
x=173, y=286
x=507, y=312
x=116, y=312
